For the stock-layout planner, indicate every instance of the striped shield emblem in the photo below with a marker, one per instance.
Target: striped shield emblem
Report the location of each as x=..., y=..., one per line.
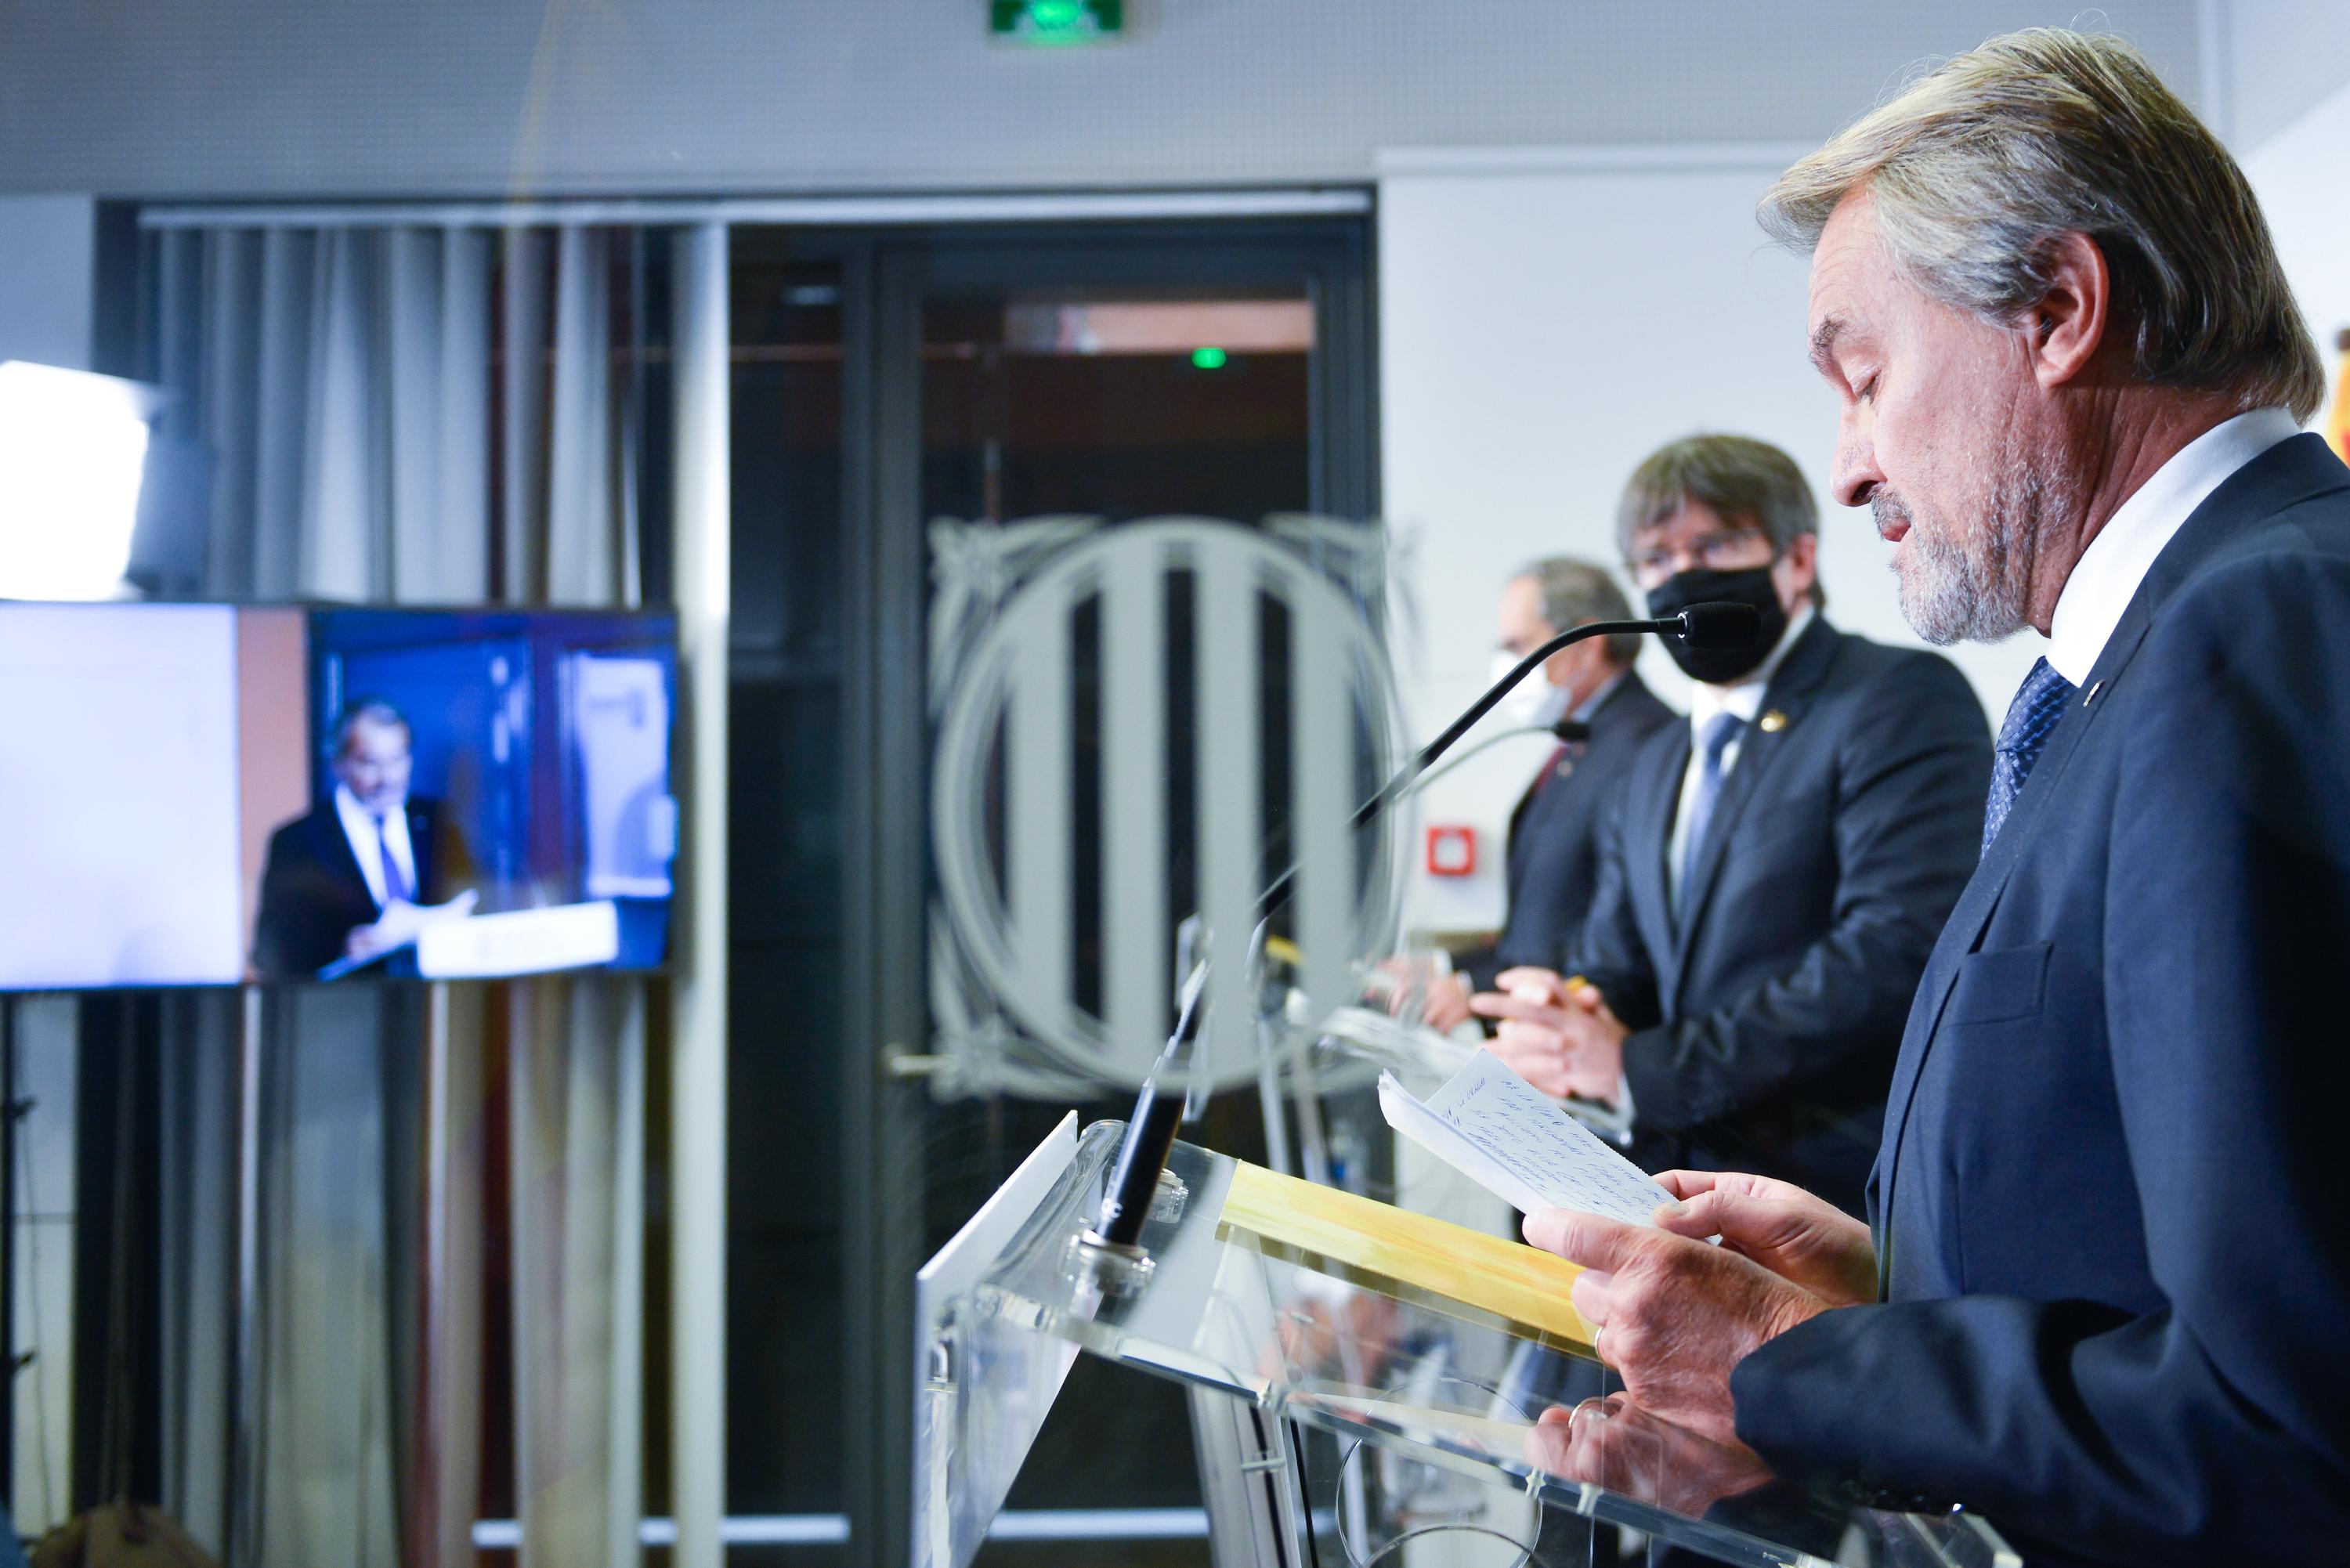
x=1132, y=724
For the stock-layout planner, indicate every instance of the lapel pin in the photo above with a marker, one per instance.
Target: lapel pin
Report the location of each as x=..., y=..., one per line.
x=1774, y=721
x=2092, y=697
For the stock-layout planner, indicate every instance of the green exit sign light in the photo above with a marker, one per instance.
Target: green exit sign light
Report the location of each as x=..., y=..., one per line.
x=1056, y=21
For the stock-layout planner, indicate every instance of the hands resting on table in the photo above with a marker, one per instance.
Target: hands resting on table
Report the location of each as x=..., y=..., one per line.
x=1674, y=1317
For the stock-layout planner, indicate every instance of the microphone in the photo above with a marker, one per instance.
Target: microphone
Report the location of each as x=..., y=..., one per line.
x=1717, y=623
x=1721, y=624
x=1150, y=1132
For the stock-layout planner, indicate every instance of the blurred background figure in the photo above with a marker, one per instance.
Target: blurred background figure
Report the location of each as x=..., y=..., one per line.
x=1602, y=711
x=333, y=873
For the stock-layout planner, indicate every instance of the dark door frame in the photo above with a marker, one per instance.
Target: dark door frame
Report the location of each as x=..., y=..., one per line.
x=885, y=276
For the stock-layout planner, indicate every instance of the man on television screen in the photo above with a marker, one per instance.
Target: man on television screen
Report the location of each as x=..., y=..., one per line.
x=345, y=880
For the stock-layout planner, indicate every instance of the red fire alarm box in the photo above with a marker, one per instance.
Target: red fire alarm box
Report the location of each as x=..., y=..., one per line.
x=1452, y=851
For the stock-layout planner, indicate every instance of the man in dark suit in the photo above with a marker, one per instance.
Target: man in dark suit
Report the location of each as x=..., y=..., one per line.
x=331, y=874
x=2103, y=1293
x=1774, y=873
x=1606, y=712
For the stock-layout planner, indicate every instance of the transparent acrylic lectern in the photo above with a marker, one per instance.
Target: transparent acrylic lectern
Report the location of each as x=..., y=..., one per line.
x=1338, y=1417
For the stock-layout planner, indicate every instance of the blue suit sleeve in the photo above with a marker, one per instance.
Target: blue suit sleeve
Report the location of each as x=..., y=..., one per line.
x=2222, y=1416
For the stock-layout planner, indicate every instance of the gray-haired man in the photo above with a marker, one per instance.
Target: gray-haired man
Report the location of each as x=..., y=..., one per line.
x=2102, y=1294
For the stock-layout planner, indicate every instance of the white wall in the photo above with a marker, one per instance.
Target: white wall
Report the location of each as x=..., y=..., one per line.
x=237, y=98
x=1542, y=328
x=2281, y=57
x=2302, y=177
x=46, y=244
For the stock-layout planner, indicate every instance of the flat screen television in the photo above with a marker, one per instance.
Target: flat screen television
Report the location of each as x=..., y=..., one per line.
x=206, y=794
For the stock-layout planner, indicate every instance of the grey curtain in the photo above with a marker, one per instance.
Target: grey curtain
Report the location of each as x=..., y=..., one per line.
x=410, y=416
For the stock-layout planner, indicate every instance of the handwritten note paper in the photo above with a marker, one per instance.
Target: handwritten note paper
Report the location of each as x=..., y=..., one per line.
x=1510, y=1137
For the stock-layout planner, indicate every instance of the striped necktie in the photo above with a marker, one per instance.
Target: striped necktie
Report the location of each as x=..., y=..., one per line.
x=1720, y=731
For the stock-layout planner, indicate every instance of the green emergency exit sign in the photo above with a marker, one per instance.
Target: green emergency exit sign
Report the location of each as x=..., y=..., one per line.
x=1056, y=21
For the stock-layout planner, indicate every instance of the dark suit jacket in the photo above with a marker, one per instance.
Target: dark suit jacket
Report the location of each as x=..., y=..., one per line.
x=1554, y=835
x=313, y=896
x=1765, y=1019
x=2110, y=1200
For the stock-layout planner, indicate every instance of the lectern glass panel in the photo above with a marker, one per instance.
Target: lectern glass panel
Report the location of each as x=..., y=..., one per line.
x=1406, y=1387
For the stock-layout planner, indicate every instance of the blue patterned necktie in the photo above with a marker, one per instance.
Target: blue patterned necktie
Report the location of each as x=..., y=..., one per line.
x=1720, y=731
x=2032, y=717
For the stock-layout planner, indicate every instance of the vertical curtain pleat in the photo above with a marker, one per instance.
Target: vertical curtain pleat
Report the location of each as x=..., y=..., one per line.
x=414, y=393
x=326, y=1459
x=523, y=428
x=342, y=524
x=458, y=521
x=581, y=558
x=417, y=416
x=224, y=382
x=199, y=1214
x=624, y=1351
x=575, y=1182
x=447, y=1424
x=278, y=398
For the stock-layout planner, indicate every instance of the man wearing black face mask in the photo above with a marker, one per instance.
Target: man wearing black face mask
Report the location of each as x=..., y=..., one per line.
x=1775, y=873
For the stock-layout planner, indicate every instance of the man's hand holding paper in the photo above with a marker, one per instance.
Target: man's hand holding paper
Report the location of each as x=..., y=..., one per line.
x=1796, y=1235
x=1671, y=1314
x=1675, y=1316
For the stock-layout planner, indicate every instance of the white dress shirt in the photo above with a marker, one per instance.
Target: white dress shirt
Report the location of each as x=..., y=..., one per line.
x=2108, y=575
x=359, y=828
x=1743, y=698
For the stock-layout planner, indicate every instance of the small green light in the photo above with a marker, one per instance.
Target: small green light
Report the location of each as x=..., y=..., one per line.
x=1208, y=359
x=1056, y=22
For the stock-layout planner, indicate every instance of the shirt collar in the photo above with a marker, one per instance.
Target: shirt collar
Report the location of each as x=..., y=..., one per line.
x=1744, y=696
x=2107, y=574
x=353, y=810
x=1590, y=705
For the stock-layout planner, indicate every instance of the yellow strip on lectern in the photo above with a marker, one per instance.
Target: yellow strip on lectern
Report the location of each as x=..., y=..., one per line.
x=1525, y=1285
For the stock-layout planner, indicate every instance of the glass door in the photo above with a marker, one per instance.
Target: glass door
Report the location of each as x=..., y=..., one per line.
x=1074, y=425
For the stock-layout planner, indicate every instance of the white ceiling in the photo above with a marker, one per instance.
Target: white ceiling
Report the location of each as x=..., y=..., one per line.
x=284, y=98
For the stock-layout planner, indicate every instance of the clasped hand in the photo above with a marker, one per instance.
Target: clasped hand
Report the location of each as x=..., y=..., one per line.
x=1558, y=1035
x=1675, y=1316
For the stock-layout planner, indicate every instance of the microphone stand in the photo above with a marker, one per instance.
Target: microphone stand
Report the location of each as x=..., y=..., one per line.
x=1150, y=1133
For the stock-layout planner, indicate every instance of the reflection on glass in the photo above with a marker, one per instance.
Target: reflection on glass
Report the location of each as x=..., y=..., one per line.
x=1115, y=405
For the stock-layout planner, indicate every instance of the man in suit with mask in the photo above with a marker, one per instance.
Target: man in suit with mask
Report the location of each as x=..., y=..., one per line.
x=1600, y=712
x=1773, y=875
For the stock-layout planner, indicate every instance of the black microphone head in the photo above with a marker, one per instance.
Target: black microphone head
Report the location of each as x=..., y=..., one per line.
x=1721, y=624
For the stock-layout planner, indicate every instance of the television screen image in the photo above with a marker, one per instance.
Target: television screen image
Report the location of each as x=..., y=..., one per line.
x=236, y=792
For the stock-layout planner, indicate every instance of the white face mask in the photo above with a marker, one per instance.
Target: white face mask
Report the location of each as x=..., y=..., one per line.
x=1533, y=702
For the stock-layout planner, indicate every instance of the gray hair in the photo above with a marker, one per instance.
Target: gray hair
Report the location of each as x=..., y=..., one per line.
x=1576, y=593
x=1977, y=167
x=366, y=711
x=1739, y=480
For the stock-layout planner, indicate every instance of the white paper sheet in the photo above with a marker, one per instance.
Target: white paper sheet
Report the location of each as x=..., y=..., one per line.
x=1513, y=1140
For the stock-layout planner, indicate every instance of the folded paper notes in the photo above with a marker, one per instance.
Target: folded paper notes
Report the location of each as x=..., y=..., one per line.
x=1513, y=1140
